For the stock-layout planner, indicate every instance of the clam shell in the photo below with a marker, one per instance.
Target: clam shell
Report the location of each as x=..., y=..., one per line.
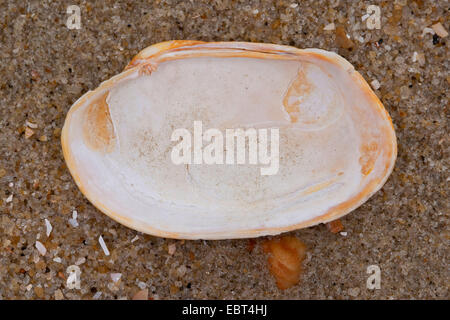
x=337, y=144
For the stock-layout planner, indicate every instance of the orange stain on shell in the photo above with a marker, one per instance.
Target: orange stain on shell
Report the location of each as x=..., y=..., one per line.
x=369, y=153
x=98, y=129
x=293, y=97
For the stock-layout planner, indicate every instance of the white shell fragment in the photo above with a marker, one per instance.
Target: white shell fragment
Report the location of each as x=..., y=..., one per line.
x=41, y=248
x=103, y=245
x=115, y=276
x=97, y=295
x=335, y=143
x=31, y=124
x=48, y=227
x=329, y=27
x=73, y=221
x=9, y=199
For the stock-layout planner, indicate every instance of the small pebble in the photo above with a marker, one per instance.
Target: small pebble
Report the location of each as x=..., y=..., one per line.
x=142, y=285
x=329, y=27
x=39, y=291
x=181, y=271
x=418, y=57
x=342, y=38
x=354, y=292
x=335, y=226
x=28, y=133
x=435, y=39
x=404, y=92
x=172, y=248
x=141, y=295
x=440, y=30
x=375, y=84
x=59, y=295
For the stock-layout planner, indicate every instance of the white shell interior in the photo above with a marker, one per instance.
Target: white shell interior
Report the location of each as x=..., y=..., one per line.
x=320, y=154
